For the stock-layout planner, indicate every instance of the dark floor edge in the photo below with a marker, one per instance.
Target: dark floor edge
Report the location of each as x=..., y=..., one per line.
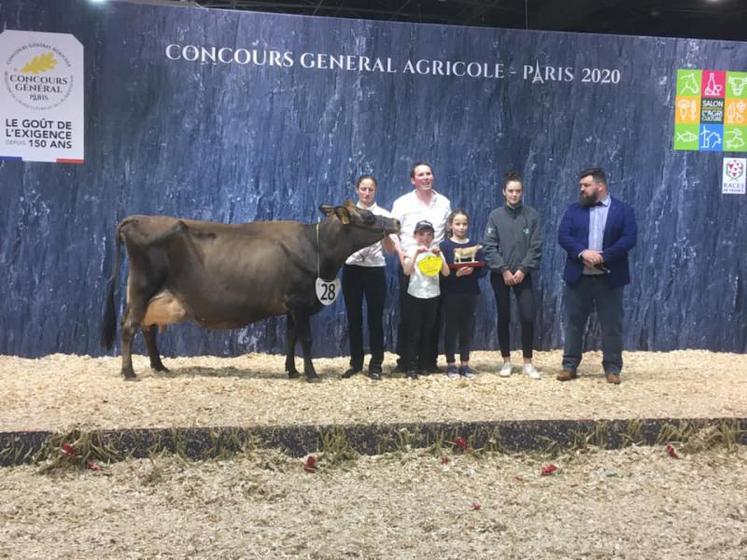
x=510, y=436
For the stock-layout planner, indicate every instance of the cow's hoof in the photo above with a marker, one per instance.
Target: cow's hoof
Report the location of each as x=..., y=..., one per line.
x=313, y=378
x=293, y=375
x=131, y=377
x=160, y=368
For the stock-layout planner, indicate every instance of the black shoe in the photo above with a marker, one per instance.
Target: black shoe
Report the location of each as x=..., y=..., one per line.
x=411, y=374
x=374, y=372
x=350, y=373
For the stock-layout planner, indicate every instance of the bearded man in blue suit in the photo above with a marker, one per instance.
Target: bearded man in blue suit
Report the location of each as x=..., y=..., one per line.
x=597, y=232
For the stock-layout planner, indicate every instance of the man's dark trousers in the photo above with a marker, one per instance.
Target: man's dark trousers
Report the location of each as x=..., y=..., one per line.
x=593, y=292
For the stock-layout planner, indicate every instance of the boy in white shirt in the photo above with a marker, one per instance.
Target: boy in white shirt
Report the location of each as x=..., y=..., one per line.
x=422, y=264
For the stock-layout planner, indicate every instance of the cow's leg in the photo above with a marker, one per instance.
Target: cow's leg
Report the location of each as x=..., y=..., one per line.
x=129, y=328
x=290, y=354
x=303, y=331
x=149, y=333
x=137, y=296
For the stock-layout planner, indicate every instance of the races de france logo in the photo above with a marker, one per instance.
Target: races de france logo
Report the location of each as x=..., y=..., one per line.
x=39, y=76
x=735, y=168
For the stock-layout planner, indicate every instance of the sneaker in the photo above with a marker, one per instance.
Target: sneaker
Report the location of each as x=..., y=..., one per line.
x=505, y=369
x=532, y=372
x=466, y=371
x=452, y=372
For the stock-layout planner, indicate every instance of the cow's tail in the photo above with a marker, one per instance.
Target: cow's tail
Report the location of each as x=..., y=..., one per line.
x=109, y=321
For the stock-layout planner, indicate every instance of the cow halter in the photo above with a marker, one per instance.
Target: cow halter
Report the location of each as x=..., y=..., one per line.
x=319, y=254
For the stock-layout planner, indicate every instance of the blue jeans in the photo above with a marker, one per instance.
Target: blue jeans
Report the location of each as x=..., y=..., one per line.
x=592, y=292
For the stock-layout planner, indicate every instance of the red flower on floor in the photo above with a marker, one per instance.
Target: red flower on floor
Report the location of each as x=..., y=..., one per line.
x=68, y=450
x=672, y=451
x=548, y=470
x=310, y=464
x=461, y=443
x=444, y=460
x=476, y=506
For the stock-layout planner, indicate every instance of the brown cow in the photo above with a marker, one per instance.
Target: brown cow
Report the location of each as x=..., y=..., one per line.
x=225, y=276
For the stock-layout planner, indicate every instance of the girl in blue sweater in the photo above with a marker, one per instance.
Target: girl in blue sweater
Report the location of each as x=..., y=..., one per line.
x=460, y=292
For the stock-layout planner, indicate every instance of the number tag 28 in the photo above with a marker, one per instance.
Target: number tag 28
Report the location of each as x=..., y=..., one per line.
x=327, y=292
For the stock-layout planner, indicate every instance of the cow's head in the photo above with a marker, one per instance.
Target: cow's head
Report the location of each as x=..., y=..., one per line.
x=351, y=216
x=349, y=228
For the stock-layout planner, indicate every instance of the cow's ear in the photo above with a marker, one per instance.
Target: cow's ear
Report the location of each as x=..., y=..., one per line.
x=326, y=209
x=343, y=214
x=352, y=209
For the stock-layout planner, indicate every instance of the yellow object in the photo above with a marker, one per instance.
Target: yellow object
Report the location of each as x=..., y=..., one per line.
x=38, y=64
x=430, y=265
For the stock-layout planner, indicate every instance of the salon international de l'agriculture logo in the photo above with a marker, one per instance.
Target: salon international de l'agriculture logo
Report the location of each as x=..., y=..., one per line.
x=710, y=111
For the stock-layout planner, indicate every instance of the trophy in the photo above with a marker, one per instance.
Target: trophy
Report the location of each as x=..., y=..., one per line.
x=466, y=257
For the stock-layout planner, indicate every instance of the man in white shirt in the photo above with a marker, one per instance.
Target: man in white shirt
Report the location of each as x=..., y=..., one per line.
x=422, y=203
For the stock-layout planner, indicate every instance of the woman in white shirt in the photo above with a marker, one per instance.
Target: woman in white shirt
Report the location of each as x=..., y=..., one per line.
x=363, y=276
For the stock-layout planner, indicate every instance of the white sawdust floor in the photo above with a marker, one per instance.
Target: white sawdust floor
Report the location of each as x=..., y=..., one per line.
x=60, y=391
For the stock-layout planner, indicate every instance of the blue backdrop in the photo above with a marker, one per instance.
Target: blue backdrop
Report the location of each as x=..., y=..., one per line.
x=273, y=131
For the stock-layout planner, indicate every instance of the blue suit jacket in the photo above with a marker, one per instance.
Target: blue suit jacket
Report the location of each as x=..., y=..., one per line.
x=620, y=234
